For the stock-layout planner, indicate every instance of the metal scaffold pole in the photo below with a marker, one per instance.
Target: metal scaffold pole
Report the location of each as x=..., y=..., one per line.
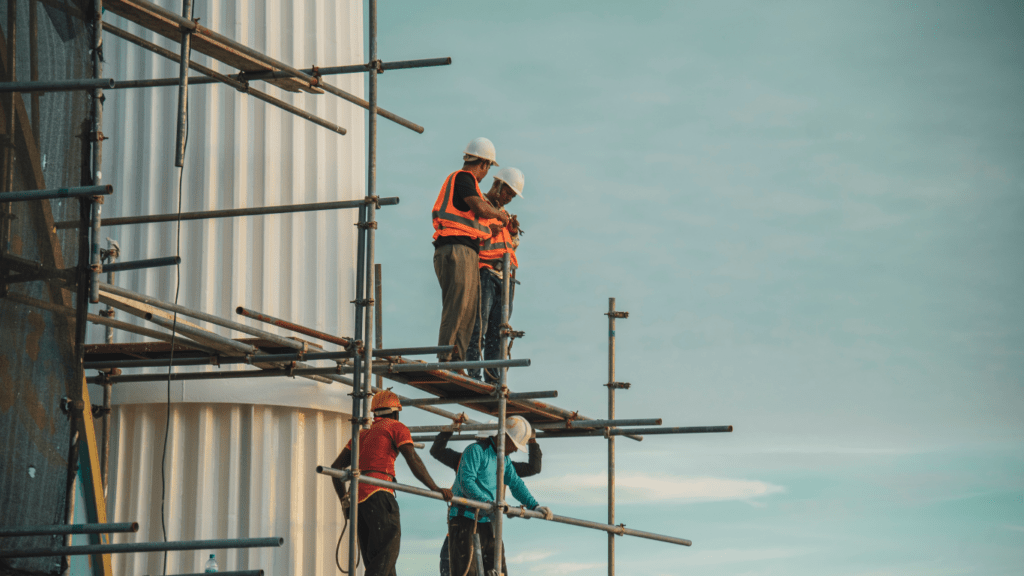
x=612, y=385
x=499, y=440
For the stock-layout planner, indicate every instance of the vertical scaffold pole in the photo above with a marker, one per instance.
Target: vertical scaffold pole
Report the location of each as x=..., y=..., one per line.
x=186, y=45
x=95, y=264
x=378, y=305
x=364, y=282
x=611, y=439
x=499, y=440
x=371, y=209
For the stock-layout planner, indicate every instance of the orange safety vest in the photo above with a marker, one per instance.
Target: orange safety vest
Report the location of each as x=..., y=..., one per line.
x=492, y=249
x=450, y=221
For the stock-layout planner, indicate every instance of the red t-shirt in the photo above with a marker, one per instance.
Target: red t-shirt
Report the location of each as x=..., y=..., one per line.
x=378, y=448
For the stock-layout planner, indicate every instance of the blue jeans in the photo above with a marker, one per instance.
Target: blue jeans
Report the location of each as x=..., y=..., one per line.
x=488, y=323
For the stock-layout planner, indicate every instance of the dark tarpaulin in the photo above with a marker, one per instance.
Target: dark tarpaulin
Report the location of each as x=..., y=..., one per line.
x=43, y=148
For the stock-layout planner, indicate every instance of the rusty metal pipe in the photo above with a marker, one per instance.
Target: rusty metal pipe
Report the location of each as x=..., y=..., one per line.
x=346, y=342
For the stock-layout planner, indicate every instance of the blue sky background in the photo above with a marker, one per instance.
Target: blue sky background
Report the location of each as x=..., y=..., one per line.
x=813, y=212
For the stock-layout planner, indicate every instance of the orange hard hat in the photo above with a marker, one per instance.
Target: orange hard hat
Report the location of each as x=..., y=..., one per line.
x=386, y=402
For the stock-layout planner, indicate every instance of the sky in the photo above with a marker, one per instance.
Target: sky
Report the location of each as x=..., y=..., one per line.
x=814, y=214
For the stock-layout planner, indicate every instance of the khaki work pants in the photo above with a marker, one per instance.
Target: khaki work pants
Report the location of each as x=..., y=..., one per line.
x=457, y=272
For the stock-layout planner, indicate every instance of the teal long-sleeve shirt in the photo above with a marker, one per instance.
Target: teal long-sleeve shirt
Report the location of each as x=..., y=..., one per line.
x=477, y=479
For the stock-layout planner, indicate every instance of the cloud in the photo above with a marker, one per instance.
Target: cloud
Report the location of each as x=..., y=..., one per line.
x=565, y=567
x=530, y=556
x=637, y=488
x=731, y=555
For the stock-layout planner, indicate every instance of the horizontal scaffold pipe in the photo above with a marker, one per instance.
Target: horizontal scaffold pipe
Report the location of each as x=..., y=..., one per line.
x=483, y=388
x=234, y=374
x=352, y=69
x=78, y=192
x=133, y=547
x=181, y=343
x=219, y=360
x=546, y=426
x=228, y=573
x=201, y=335
x=280, y=340
x=570, y=424
x=510, y=511
x=417, y=367
x=214, y=76
x=111, y=528
x=292, y=72
x=268, y=319
x=232, y=213
x=57, y=85
x=479, y=399
x=142, y=264
x=602, y=433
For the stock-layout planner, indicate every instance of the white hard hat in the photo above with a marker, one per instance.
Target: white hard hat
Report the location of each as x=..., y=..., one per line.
x=514, y=178
x=519, y=430
x=482, y=148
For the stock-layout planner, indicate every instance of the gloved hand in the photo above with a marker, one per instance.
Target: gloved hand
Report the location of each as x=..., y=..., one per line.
x=548, y=514
x=346, y=504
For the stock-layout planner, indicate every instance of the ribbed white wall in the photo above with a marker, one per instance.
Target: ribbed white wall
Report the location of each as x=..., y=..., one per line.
x=233, y=471
x=241, y=454
x=241, y=153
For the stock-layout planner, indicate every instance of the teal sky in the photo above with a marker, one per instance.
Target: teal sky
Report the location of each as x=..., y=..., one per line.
x=813, y=212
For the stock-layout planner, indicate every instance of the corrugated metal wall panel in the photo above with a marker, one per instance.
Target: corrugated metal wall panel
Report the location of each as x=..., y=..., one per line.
x=242, y=153
x=232, y=471
x=241, y=455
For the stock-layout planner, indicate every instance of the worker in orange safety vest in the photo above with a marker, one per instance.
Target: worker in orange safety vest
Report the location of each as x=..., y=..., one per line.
x=508, y=183
x=459, y=217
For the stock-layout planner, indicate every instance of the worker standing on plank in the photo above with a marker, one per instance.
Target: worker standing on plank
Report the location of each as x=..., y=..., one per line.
x=450, y=458
x=459, y=214
x=508, y=183
x=379, y=524
x=477, y=480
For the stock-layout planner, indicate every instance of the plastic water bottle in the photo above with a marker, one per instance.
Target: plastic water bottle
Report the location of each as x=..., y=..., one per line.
x=211, y=564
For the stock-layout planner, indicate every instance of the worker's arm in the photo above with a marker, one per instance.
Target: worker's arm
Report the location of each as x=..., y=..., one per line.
x=341, y=462
x=483, y=209
x=420, y=471
x=442, y=453
x=531, y=468
x=518, y=488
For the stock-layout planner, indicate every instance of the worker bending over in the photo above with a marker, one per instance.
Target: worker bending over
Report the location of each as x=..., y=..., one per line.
x=450, y=458
x=508, y=183
x=379, y=522
x=459, y=217
x=477, y=480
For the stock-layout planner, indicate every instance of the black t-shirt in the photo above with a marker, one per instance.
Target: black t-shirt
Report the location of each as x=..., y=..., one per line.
x=465, y=186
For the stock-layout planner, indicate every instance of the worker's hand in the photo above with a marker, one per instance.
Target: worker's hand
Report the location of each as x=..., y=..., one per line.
x=446, y=493
x=504, y=217
x=513, y=225
x=496, y=229
x=548, y=514
x=346, y=505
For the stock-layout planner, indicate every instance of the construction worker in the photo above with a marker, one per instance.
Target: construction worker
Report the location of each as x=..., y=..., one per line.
x=459, y=216
x=508, y=183
x=477, y=480
x=450, y=458
x=379, y=524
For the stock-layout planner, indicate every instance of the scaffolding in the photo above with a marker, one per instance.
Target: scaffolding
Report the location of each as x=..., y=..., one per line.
x=182, y=343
